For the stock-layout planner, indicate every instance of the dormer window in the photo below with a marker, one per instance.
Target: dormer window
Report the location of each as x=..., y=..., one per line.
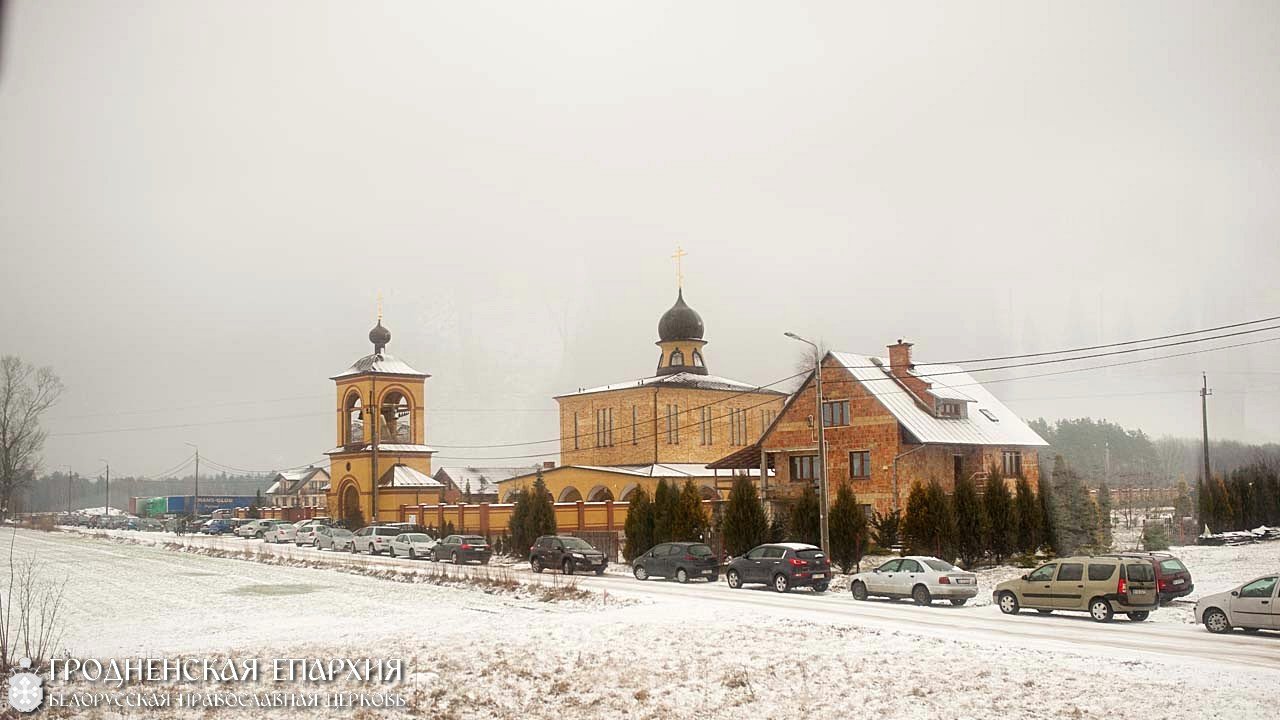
x=949, y=409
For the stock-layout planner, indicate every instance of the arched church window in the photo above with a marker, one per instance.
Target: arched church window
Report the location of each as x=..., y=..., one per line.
x=697, y=359
x=354, y=426
x=397, y=426
x=677, y=358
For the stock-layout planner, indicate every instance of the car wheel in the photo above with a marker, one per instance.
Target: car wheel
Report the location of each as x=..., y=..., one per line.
x=535, y=564
x=412, y=555
x=1100, y=610
x=1008, y=603
x=259, y=536
x=353, y=548
x=859, y=590
x=921, y=595
x=820, y=587
x=958, y=602
x=484, y=561
x=567, y=567
x=682, y=576
x=734, y=579
x=1215, y=621
x=454, y=558
x=391, y=552
x=640, y=573
x=1139, y=616
x=781, y=583
x=1044, y=611
x=600, y=571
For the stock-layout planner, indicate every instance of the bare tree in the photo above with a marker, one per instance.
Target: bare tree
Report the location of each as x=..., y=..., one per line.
x=26, y=392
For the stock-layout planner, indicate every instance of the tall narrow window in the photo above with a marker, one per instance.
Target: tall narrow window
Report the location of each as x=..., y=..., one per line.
x=604, y=427
x=706, y=426
x=1012, y=463
x=677, y=358
x=575, y=431
x=673, y=424
x=697, y=359
x=860, y=465
x=635, y=422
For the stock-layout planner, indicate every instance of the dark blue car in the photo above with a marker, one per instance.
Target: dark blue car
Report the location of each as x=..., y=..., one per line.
x=215, y=527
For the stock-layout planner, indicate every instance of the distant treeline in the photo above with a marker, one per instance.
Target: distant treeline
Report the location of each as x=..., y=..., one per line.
x=1138, y=460
x=49, y=492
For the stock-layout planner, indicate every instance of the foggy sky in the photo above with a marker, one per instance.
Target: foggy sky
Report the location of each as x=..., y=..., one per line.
x=200, y=201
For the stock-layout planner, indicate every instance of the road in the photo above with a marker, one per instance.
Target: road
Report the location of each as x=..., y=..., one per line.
x=982, y=624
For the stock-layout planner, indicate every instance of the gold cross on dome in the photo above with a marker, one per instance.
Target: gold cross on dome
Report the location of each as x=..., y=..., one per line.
x=379, y=306
x=678, y=256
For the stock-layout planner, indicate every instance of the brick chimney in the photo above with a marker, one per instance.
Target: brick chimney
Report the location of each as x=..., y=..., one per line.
x=900, y=365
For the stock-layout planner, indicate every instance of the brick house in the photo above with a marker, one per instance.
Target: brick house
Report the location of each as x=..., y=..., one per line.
x=298, y=488
x=890, y=424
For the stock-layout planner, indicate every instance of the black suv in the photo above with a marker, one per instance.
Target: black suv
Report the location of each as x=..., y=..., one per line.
x=461, y=549
x=679, y=560
x=783, y=566
x=566, y=552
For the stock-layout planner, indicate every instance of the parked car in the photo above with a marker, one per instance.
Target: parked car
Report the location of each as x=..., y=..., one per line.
x=332, y=538
x=1250, y=607
x=413, y=545
x=373, y=539
x=1173, y=579
x=462, y=548
x=252, y=528
x=150, y=525
x=918, y=577
x=566, y=552
x=236, y=523
x=679, y=560
x=215, y=527
x=306, y=532
x=1100, y=586
x=281, y=532
x=782, y=566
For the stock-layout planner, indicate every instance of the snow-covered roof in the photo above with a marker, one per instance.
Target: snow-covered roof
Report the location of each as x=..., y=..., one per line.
x=275, y=488
x=384, y=447
x=405, y=476
x=660, y=470
x=383, y=364
x=290, y=481
x=989, y=422
x=483, y=480
x=683, y=380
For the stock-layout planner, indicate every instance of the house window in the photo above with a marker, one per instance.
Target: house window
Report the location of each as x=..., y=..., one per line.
x=835, y=413
x=673, y=424
x=604, y=427
x=860, y=465
x=677, y=358
x=635, y=422
x=948, y=409
x=1012, y=463
x=706, y=426
x=804, y=467
x=867, y=511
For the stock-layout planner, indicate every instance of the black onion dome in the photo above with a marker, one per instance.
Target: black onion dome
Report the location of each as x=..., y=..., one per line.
x=379, y=336
x=681, y=322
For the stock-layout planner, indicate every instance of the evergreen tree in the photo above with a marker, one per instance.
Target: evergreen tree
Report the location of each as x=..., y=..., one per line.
x=1048, y=535
x=943, y=533
x=1222, y=510
x=886, y=529
x=516, y=524
x=664, y=504
x=1182, y=501
x=744, y=525
x=916, y=522
x=1002, y=519
x=970, y=522
x=542, y=511
x=1075, y=515
x=778, y=530
x=639, y=525
x=1104, y=514
x=806, y=518
x=849, y=532
x=689, y=520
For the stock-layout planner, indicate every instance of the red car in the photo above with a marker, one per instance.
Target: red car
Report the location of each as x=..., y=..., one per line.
x=1173, y=579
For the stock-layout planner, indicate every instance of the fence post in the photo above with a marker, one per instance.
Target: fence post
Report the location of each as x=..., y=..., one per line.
x=582, y=516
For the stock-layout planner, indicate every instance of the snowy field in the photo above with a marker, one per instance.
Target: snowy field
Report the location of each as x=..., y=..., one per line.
x=650, y=650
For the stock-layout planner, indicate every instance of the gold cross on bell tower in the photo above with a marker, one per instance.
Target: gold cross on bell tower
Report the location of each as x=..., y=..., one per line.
x=678, y=256
x=379, y=307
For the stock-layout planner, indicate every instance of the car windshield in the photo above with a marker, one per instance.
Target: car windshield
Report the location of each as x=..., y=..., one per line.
x=574, y=543
x=700, y=550
x=941, y=565
x=1142, y=572
x=1172, y=565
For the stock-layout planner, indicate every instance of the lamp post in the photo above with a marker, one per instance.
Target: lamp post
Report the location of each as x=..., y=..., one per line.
x=822, y=445
x=195, y=500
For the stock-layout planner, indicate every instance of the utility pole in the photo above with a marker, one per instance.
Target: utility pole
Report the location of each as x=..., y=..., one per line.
x=106, y=509
x=823, y=500
x=195, y=500
x=1205, y=392
x=68, y=489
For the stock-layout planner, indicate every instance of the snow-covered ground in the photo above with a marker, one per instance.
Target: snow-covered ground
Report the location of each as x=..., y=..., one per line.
x=669, y=650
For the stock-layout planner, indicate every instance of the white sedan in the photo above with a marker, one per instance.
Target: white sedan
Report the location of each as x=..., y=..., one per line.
x=281, y=532
x=918, y=577
x=1250, y=607
x=412, y=545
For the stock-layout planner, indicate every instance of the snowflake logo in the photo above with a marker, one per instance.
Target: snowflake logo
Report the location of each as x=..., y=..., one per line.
x=25, y=691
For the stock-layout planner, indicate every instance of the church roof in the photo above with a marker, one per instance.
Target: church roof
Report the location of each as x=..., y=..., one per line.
x=380, y=364
x=658, y=470
x=383, y=447
x=405, y=476
x=681, y=380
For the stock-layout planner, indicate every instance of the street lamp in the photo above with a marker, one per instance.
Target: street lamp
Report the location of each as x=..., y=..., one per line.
x=822, y=445
x=195, y=500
